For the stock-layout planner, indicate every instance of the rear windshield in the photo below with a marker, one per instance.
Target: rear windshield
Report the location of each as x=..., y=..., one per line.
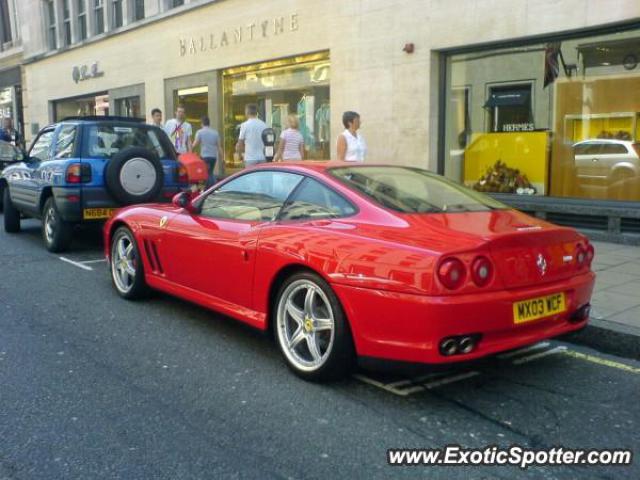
x=107, y=140
x=412, y=190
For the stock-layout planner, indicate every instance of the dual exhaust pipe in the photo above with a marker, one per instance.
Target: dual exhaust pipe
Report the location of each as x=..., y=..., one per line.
x=459, y=345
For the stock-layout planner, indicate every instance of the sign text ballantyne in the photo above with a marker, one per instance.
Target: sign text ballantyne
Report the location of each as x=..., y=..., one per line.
x=244, y=33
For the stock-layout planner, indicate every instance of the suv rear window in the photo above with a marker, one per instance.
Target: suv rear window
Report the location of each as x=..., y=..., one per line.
x=107, y=140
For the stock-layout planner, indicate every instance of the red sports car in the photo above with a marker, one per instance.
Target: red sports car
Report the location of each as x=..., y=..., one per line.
x=345, y=260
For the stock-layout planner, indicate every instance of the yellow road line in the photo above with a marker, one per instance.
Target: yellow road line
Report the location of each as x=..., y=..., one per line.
x=602, y=361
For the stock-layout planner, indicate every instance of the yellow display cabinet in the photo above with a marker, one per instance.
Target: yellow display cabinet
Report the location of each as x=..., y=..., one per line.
x=524, y=151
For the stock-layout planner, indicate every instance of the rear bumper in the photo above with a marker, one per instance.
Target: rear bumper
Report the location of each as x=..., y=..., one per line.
x=409, y=328
x=71, y=201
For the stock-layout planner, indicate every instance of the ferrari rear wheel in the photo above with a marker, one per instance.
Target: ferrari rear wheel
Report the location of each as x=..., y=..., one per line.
x=127, y=272
x=312, y=330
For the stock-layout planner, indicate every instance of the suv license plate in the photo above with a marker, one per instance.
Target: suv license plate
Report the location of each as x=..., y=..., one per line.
x=97, y=213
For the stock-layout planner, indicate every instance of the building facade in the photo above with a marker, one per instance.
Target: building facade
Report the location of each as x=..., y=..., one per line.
x=535, y=102
x=10, y=62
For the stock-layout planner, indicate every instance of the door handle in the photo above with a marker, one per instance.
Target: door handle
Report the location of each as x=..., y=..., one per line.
x=245, y=255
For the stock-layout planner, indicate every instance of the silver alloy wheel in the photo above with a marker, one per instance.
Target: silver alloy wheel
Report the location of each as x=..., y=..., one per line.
x=306, y=325
x=123, y=263
x=138, y=176
x=49, y=223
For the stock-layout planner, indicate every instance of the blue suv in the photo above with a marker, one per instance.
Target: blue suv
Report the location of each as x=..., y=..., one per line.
x=82, y=169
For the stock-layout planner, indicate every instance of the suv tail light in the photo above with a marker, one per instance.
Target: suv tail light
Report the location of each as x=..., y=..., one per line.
x=452, y=273
x=183, y=176
x=481, y=271
x=78, y=173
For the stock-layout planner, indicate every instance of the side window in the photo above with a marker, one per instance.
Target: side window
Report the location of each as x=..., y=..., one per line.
x=315, y=201
x=256, y=196
x=65, y=142
x=41, y=147
x=613, y=148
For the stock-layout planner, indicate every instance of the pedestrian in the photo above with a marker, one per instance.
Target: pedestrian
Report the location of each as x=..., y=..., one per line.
x=250, y=139
x=10, y=134
x=291, y=145
x=208, y=139
x=179, y=131
x=156, y=117
x=351, y=145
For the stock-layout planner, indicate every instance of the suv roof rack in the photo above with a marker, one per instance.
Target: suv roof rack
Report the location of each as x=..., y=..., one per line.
x=108, y=118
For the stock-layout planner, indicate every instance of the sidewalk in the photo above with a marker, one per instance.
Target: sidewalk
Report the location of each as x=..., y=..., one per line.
x=614, y=326
x=616, y=299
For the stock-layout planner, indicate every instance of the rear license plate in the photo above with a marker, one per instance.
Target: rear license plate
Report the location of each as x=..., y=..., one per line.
x=97, y=213
x=540, y=307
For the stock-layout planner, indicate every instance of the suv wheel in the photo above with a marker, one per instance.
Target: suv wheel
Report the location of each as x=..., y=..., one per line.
x=134, y=175
x=11, y=213
x=55, y=231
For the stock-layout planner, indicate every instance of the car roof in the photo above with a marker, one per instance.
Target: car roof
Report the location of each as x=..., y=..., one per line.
x=103, y=118
x=603, y=140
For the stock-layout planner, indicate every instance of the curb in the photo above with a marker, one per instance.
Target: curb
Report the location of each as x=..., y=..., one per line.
x=608, y=337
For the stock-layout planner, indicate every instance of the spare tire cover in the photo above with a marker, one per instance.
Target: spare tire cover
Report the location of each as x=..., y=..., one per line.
x=134, y=175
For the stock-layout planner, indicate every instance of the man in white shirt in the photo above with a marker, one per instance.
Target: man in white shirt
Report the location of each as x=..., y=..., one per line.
x=179, y=131
x=250, y=140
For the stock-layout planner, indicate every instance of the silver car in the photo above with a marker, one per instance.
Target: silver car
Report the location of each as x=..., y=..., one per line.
x=606, y=162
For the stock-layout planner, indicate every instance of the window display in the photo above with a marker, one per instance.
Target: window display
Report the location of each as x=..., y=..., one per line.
x=298, y=85
x=97, y=104
x=555, y=118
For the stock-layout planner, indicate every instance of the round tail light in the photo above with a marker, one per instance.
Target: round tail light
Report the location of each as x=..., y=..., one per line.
x=581, y=255
x=590, y=253
x=451, y=273
x=481, y=271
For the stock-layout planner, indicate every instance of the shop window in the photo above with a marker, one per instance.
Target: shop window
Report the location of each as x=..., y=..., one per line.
x=98, y=12
x=548, y=118
x=298, y=86
x=81, y=107
x=82, y=19
x=50, y=15
x=128, y=107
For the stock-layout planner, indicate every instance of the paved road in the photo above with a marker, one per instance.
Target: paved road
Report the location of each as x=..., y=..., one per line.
x=92, y=386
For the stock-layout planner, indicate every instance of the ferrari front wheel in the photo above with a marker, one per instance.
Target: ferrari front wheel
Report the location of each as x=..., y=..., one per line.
x=127, y=272
x=311, y=329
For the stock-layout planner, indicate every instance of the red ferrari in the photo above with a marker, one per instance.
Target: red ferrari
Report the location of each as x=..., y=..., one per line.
x=347, y=261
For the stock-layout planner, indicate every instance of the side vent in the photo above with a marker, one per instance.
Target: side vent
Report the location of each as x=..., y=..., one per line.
x=152, y=254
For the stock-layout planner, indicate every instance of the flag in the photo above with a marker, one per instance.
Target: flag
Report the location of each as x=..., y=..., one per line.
x=551, y=63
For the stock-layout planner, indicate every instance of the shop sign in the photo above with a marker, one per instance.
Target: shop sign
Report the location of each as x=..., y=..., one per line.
x=265, y=28
x=518, y=127
x=81, y=73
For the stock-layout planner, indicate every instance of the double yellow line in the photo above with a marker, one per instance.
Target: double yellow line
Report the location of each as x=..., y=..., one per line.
x=602, y=361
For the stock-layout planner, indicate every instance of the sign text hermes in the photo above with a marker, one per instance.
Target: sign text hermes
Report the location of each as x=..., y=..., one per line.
x=241, y=34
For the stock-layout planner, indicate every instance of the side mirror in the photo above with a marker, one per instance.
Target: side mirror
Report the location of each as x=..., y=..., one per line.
x=183, y=200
